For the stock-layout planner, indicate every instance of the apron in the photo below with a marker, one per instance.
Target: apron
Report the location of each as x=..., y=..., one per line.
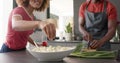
x=97, y=25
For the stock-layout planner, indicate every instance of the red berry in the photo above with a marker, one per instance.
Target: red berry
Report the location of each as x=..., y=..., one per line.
x=44, y=43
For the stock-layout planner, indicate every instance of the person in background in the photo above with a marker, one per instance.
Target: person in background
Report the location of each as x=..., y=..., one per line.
x=21, y=24
x=97, y=23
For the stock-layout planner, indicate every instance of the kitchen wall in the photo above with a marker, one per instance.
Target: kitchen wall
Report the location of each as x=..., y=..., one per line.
x=37, y=35
x=62, y=13
x=77, y=4
x=5, y=9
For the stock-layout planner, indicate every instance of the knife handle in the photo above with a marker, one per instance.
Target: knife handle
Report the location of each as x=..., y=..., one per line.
x=88, y=47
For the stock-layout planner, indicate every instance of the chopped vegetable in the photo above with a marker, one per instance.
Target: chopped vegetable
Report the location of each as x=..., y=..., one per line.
x=92, y=53
x=51, y=49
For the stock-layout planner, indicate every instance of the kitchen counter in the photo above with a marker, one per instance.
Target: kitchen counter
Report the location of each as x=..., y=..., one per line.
x=78, y=41
x=114, y=45
x=26, y=57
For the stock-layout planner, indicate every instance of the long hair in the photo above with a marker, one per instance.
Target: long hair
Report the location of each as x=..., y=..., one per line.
x=25, y=3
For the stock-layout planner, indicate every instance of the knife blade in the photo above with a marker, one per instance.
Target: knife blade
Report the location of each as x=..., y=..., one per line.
x=88, y=46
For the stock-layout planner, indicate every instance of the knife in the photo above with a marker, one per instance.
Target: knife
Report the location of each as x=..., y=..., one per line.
x=88, y=46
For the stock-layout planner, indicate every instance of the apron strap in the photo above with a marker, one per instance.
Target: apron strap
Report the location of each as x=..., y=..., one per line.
x=105, y=5
x=88, y=4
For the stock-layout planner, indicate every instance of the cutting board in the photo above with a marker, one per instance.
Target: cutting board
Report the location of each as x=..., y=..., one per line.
x=93, y=54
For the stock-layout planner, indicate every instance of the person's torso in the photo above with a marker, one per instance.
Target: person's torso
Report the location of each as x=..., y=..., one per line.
x=96, y=22
x=17, y=39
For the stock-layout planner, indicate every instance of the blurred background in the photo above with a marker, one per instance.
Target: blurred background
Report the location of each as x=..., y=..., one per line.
x=64, y=11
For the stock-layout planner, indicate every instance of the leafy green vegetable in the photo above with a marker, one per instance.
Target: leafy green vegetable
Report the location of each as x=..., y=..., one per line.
x=93, y=54
x=68, y=28
x=78, y=48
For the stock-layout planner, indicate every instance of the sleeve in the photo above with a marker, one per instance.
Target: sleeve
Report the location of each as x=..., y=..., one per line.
x=112, y=13
x=82, y=10
x=18, y=11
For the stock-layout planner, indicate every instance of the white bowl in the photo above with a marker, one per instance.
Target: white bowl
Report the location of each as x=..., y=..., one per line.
x=51, y=56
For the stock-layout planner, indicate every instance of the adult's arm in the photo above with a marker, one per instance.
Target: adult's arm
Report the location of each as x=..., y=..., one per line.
x=85, y=34
x=19, y=24
x=112, y=24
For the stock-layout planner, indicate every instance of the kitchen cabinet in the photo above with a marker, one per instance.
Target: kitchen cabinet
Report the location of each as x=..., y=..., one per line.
x=26, y=57
x=115, y=45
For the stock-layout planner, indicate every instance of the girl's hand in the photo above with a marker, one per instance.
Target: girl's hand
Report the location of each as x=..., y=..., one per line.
x=50, y=31
x=48, y=28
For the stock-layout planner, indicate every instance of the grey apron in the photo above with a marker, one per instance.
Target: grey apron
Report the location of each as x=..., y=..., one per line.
x=96, y=24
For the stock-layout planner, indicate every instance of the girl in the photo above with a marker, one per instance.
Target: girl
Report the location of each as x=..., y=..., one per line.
x=21, y=24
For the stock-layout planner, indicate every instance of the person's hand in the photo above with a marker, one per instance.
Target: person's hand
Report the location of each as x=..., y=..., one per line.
x=96, y=44
x=87, y=37
x=48, y=28
x=50, y=31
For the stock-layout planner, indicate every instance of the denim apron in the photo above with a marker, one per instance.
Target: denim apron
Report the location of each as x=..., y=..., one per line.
x=97, y=25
